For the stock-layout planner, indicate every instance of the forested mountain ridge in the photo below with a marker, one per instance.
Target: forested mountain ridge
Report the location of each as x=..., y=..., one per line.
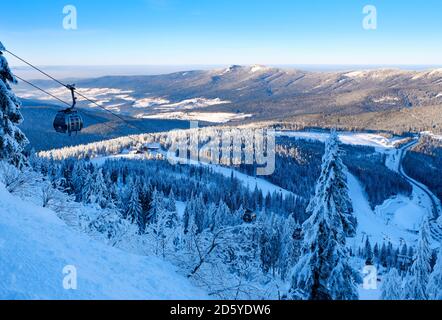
x=364, y=99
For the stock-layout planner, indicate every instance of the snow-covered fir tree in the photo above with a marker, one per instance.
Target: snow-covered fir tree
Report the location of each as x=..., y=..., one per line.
x=163, y=230
x=434, y=288
x=323, y=271
x=156, y=205
x=368, y=253
x=220, y=215
x=171, y=209
x=87, y=191
x=291, y=246
x=94, y=190
x=79, y=175
x=12, y=139
x=338, y=188
x=270, y=248
x=101, y=193
x=376, y=253
x=144, y=195
x=392, y=286
x=416, y=288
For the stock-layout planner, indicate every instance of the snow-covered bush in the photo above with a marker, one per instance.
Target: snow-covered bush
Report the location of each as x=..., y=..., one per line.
x=17, y=180
x=12, y=139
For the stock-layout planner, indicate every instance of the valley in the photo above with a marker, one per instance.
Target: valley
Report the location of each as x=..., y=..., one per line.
x=391, y=100
x=273, y=153
x=118, y=183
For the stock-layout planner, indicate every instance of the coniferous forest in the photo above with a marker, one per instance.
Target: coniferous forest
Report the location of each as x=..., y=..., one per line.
x=139, y=161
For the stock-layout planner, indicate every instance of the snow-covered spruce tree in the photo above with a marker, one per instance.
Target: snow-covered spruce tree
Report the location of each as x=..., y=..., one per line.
x=173, y=219
x=133, y=211
x=87, y=190
x=162, y=231
x=338, y=188
x=323, y=272
x=156, y=205
x=221, y=215
x=392, y=286
x=12, y=139
x=102, y=197
x=434, y=288
x=94, y=190
x=416, y=288
x=368, y=253
x=290, y=248
x=79, y=175
x=145, y=200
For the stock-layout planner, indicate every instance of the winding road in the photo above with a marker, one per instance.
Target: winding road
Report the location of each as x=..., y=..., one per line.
x=435, y=228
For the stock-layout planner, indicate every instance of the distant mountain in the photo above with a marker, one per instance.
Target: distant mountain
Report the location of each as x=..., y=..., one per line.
x=254, y=93
x=98, y=126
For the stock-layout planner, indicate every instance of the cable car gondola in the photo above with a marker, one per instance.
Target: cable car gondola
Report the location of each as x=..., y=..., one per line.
x=69, y=120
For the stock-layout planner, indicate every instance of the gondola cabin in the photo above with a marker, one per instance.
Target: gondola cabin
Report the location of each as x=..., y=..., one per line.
x=68, y=121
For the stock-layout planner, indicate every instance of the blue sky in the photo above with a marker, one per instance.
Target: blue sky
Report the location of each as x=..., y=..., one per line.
x=206, y=32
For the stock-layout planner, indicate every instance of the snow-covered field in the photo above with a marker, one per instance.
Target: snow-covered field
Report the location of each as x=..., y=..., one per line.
x=148, y=107
x=35, y=247
x=351, y=138
x=190, y=104
x=214, y=117
x=373, y=224
x=150, y=102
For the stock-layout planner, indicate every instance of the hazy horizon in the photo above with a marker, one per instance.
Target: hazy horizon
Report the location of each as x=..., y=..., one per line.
x=89, y=71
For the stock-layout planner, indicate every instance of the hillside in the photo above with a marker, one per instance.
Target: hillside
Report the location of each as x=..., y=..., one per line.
x=99, y=125
x=35, y=246
x=257, y=93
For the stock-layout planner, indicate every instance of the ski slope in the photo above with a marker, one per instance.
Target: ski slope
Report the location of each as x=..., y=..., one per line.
x=375, y=225
x=35, y=246
x=350, y=138
x=398, y=219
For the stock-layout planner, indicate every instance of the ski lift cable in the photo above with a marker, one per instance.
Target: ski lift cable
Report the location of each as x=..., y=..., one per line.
x=36, y=68
x=69, y=87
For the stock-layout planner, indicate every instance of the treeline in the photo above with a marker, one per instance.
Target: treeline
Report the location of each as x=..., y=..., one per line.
x=297, y=166
x=424, y=164
x=387, y=256
x=181, y=180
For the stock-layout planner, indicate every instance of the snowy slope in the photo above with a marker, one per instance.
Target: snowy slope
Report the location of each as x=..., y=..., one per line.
x=398, y=218
x=249, y=182
x=372, y=224
x=350, y=138
x=35, y=246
